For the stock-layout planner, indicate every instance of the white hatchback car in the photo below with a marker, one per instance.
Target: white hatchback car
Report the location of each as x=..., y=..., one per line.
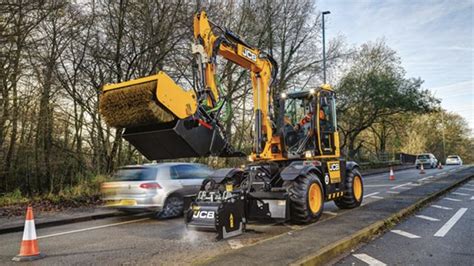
x=159, y=188
x=453, y=160
x=427, y=159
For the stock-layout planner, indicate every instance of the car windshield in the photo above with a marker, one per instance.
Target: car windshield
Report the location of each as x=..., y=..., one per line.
x=135, y=174
x=423, y=156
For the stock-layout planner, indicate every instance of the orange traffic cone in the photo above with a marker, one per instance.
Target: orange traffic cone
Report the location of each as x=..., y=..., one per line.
x=392, y=175
x=440, y=165
x=422, y=169
x=29, y=246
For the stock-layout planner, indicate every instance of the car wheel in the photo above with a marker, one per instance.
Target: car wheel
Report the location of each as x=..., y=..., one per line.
x=173, y=207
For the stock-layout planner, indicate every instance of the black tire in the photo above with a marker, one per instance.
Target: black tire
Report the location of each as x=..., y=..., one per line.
x=298, y=191
x=349, y=200
x=174, y=206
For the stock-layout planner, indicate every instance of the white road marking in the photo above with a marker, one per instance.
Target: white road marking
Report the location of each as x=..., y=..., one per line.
x=369, y=260
x=235, y=243
x=461, y=194
x=450, y=223
x=472, y=198
x=405, y=234
x=93, y=228
x=330, y=213
x=441, y=207
x=468, y=189
x=371, y=194
x=424, y=178
x=451, y=199
x=414, y=184
x=438, y=174
x=388, y=185
x=402, y=185
x=427, y=218
x=470, y=185
x=393, y=192
x=376, y=197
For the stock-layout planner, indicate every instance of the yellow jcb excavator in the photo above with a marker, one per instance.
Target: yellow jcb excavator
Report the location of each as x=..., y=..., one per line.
x=295, y=165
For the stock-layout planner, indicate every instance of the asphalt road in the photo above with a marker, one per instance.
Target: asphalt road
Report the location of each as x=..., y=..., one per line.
x=140, y=239
x=442, y=233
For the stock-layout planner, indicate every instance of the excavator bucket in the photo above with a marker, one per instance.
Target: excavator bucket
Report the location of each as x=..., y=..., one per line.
x=157, y=115
x=176, y=139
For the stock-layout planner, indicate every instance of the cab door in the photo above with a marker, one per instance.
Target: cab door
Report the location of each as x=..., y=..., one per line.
x=326, y=123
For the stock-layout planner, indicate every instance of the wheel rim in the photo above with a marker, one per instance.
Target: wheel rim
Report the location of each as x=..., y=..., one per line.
x=357, y=187
x=173, y=207
x=314, y=198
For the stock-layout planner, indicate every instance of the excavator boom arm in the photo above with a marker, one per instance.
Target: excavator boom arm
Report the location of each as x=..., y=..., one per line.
x=262, y=67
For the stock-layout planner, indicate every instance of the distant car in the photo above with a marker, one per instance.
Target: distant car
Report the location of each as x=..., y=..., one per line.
x=453, y=160
x=427, y=159
x=158, y=188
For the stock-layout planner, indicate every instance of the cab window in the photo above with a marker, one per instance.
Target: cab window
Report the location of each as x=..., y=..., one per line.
x=296, y=109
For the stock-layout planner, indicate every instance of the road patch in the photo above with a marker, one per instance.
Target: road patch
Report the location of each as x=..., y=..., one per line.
x=235, y=243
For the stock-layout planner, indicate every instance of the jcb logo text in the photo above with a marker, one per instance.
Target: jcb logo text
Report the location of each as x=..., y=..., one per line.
x=203, y=214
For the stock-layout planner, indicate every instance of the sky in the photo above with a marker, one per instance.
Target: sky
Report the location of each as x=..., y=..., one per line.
x=434, y=39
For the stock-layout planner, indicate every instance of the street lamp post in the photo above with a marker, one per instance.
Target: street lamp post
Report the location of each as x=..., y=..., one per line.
x=324, y=48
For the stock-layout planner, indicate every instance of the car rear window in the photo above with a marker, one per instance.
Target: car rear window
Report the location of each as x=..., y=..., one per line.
x=423, y=156
x=189, y=171
x=135, y=174
x=452, y=157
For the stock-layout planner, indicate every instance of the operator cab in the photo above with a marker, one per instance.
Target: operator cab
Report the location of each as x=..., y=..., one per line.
x=308, y=123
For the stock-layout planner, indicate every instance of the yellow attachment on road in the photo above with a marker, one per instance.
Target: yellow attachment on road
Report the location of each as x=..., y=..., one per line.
x=150, y=100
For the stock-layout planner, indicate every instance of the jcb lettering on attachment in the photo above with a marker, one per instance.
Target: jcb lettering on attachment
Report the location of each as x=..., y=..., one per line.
x=204, y=214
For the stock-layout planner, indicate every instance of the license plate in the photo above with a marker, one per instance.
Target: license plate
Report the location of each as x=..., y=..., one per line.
x=125, y=202
x=128, y=202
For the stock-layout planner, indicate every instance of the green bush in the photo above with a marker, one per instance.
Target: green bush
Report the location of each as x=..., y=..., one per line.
x=86, y=191
x=12, y=198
